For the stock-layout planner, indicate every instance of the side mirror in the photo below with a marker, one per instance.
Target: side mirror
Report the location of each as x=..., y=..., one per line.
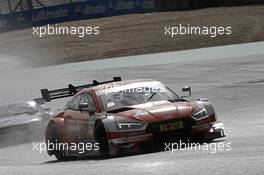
x=187, y=89
x=85, y=107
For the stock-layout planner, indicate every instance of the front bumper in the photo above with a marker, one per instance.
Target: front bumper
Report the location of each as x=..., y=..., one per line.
x=216, y=131
x=210, y=131
x=129, y=144
x=132, y=144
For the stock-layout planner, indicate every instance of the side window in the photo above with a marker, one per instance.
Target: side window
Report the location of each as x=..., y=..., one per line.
x=74, y=104
x=87, y=98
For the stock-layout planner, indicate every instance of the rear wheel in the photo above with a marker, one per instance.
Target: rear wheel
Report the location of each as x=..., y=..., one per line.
x=102, y=139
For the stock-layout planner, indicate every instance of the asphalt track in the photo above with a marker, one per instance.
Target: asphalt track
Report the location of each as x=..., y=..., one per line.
x=232, y=77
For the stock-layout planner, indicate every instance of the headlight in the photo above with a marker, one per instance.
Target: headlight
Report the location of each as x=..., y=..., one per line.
x=201, y=114
x=129, y=126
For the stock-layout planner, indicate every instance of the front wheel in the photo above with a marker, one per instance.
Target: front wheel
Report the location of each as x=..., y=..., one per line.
x=53, y=138
x=102, y=139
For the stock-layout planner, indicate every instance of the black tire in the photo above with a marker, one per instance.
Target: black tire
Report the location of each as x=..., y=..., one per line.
x=55, y=138
x=102, y=139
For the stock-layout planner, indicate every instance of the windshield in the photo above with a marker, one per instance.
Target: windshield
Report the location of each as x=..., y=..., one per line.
x=129, y=97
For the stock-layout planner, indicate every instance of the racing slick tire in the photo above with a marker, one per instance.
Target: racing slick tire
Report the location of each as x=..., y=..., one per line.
x=102, y=139
x=55, y=138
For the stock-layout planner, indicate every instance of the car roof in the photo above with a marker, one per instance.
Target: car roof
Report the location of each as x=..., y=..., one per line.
x=126, y=84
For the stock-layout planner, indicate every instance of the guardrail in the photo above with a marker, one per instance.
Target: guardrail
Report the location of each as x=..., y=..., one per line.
x=73, y=11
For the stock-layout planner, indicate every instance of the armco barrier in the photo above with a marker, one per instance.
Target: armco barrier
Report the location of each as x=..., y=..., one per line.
x=73, y=11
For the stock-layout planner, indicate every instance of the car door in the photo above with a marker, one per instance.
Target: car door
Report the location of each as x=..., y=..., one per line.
x=80, y=124
x=73, y=120
x=90, y=116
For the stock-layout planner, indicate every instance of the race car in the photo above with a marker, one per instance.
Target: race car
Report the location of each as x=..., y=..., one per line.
x=22, y=121
x=116, y=117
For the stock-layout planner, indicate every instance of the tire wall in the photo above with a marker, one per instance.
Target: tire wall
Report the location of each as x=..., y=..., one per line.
x=169, y=5
x=103, y=8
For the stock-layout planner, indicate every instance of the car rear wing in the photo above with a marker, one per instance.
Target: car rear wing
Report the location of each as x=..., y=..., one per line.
x=71, y=90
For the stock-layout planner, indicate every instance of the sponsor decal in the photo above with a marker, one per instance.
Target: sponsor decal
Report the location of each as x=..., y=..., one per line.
x=47, y=14
x=3, y=23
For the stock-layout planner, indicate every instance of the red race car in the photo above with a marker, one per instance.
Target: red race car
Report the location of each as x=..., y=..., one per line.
x=114, y=117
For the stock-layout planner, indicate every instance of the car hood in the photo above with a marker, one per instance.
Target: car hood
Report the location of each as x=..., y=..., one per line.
x=158, y=111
